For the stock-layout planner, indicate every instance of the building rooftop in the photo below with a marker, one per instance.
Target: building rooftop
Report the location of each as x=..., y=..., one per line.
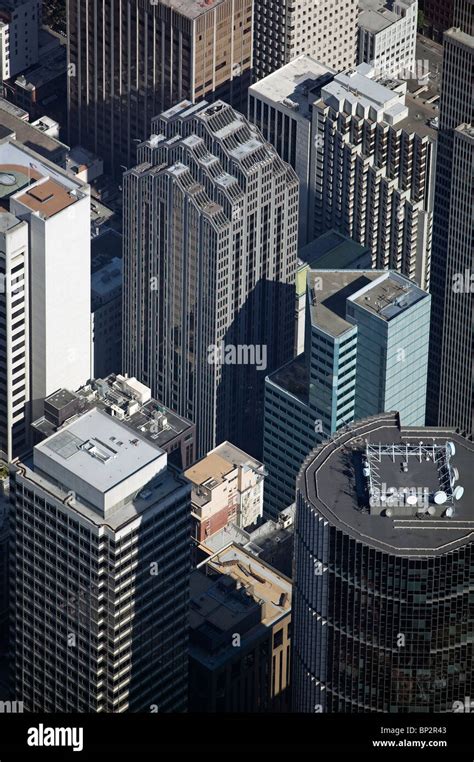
x=21, y=130
x=389, y=296
x=414, y=466
x=295, y=85
x=293, y=378
x=272, y=541
x=211, y=470
x=191, y=8
x=329, y=290
x=48, y=69
x=48, y=197
x=238, y=593
x=105, y=248
x=385, y=294
x=375, y=15
x=106, y=283
x=334, y=251
x=126, y=400
x=97, y=449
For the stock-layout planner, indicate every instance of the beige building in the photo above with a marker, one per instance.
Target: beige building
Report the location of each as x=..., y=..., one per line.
x=240, y=621
x=131, y=59
x=284, y=29
x=227, y=488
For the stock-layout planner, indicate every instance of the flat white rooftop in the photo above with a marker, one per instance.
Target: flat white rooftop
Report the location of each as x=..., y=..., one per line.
x=100, y=459
x=293, y=81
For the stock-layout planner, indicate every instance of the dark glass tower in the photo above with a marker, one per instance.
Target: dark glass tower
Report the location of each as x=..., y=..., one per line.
x=381, y=602
x=450, y=389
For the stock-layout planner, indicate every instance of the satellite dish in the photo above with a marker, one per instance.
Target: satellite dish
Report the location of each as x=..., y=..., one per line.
x=366, y=472
x=454, y=475
x=389, y=512
x=449, y=512
x=458, y=492
x=451, y=448
x=432, y=510
x=412, y=500
x=440, y=497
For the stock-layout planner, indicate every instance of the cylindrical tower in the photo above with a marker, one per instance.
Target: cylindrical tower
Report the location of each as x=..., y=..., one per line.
x=384, y=560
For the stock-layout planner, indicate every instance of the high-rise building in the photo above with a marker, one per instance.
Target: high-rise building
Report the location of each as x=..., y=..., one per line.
x=15, y=357
x=131, y=59
x=362, y=356
x=210, y=242
x=387, y=35
x=240, y=620
x=384, y=560
x=45, y=294
x=285, y=29
x=100, y=599
x=19, y=31
x=451, y=387
x=227, y=488
x=364, y=150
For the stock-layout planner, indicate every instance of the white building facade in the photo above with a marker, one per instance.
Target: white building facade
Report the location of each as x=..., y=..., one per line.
x=14, y=335
x=56, y=209
x=19, y=31
x=326, y=30
x=387, y=36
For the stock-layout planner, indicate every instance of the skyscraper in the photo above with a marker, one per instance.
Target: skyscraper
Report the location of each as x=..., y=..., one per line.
x=131, y=59
x=366, y=351
x=384, y=559
x=100, y=598
x=15, y=358
x=45, y=294
x=451, y=388
x=284, y=29
x=210, y=231
x=364, y=157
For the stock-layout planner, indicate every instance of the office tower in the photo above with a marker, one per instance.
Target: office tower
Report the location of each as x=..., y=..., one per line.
x=129, y=401
x=387, y=35
x=19, y=30
x=132, y=59
x=100, y=599
x=280, y=106
x=15, y=359
x=45, y=286
x=438, y=16
x=450, y=389
x=326, y=30
x=366, y=352
x=56, y=208
x=383, y=571
x=227, y=488
x=212, y=212
x=106, y=303
x=366, y=157
x=240, y=621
